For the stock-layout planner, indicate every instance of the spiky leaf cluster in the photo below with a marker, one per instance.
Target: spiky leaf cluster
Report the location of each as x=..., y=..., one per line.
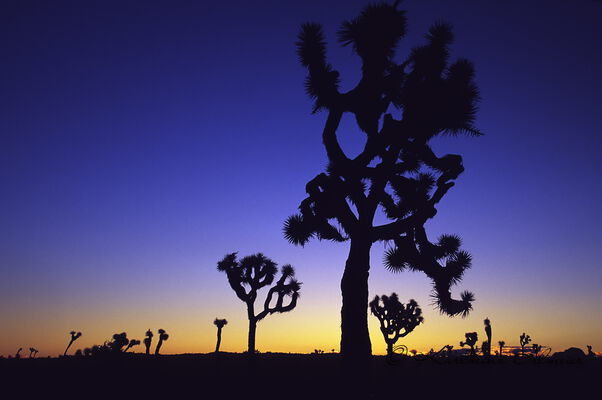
x=397, y=172
x=396, y=319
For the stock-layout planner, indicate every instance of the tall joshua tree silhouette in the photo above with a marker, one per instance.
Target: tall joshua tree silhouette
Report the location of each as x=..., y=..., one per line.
x=252, y=273
x=397, y=173
x=148, y=340
x=74, y=337
x=220, y=323
x=395, y=317
x=162, y=337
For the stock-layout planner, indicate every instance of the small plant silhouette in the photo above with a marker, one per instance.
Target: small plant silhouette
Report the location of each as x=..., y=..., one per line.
x=501, y=343
x=18, y=354
x=133, y=342
x=74, y=337
x=162, y=337
x=395, y=317
x=590, y=353
x=120, y=340
x=535, y=349
x=487, y=344
x=32, y=352
x=524, y=340
x=252, y=273
x=471, y=341
x=220, y=323
x=148, y=340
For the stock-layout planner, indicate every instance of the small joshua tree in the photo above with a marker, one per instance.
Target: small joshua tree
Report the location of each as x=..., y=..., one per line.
x=487, y=344
x=524, y=340
x=74, y=337
x=471, y=340
x=133, y=342
x=119, y=341
x=535, y=349
x=220, y=323
x=18, y=354
x=32, y=352
x=162, y=337
x=148, y=340
x=395, y=317
x=502, y=344
x=252, y=273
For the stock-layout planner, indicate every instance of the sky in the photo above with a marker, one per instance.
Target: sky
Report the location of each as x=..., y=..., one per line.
x=140, y=142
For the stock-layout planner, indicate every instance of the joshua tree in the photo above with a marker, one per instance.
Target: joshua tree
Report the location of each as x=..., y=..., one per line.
x=252, y=273
x=471, y=340
x=524, y=340
x=74, y=337
x=502, y=344
x=487, y=344
x=535, y=349
x=32, y=352
x=148, y=340
x=395, y=317
x=18, y=354
x=429, y=96
x=133, y=342
x=220, y=323
x=119, y=341
x=162, y=336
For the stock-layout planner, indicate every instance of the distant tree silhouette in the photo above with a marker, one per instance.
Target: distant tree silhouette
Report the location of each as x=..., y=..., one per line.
x=252, y=273
x=120, y=340
x=471, y=341
x=396, y=319
x=133, y=342
x=390, y=174
x=487, y=344
x=32, y=352
x=535, y=349
x=148, y=340
x=162, y=337
x=74, y=337
x=18, y=353
x=590, y=353
x=220, y=323
x=524, y=340
x=501, y=343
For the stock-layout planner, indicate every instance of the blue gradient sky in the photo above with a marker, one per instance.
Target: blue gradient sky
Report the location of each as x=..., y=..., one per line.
x=140, y=142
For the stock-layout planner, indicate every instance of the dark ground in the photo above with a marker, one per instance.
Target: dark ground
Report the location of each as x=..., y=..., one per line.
x=299, y=376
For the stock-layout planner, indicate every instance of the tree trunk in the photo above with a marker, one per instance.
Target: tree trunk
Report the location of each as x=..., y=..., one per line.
x=355, y=338
x=390, y=349
x=252, y=329
x=219, y=339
